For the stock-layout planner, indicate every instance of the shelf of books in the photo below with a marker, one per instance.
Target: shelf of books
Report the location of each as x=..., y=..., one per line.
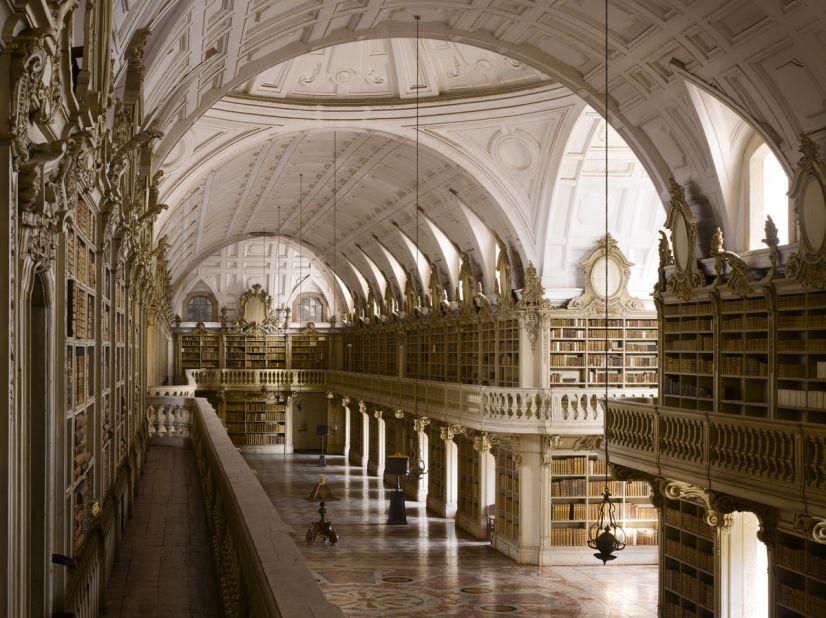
x=769, y=363
x=309, y=350
x=436, y=466
x=688, y=355
x=800, y=567
x=507, y=495
x=242, y=351
x=801, y=356
x=469, y=350
x=254, y=422
x=577, y=483
x=199, y=350
x=468, y=474
x=578, y=344
x=688, y=561
x=80, y=362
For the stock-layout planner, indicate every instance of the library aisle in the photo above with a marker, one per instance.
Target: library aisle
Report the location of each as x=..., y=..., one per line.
x=428, y=567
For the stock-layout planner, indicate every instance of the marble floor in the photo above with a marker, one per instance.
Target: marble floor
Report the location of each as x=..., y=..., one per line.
x=428, y=566
x=164, y=563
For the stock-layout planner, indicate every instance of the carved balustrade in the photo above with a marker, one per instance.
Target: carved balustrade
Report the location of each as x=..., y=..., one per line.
x=167, y=418
x=773, y=461
x=284, y=379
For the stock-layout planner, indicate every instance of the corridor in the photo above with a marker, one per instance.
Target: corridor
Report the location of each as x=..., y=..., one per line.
x=428, y=567
x=164, y=566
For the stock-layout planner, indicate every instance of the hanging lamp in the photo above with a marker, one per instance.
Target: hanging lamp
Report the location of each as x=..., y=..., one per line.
x=605, y=534
x=332, y=392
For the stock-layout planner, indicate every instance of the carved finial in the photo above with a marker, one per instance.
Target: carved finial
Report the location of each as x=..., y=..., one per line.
x=666, y=258
x=532, y=291
x=717, y=242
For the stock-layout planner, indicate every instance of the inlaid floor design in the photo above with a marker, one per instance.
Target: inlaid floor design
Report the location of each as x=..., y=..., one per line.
x=428, y=567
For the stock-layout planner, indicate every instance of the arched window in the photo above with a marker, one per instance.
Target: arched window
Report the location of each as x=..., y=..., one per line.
x=310, y=309
x=768, y=185
x=199, y=309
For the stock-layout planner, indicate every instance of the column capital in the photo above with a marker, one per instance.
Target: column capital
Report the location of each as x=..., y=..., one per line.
x=419, y=424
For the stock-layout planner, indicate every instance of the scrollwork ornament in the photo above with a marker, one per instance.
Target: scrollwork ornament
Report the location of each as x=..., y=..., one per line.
x=813, y=527
x=677, y=490
x=420, y=424
x=531, y=304
x=36, y=92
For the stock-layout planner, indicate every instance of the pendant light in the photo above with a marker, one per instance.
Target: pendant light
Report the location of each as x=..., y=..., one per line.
x=332, y=392
x=417, y=87
x=605, y=535
x=300, y=248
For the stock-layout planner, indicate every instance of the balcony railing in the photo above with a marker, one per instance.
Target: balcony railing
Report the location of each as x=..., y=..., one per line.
x=558, y=409
x=781, y=463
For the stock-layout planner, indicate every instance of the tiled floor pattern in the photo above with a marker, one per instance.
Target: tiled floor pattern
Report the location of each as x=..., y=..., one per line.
x=164, y=563
x=428, y=567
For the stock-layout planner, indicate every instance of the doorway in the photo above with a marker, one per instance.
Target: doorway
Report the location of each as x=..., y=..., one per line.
x=746, y=568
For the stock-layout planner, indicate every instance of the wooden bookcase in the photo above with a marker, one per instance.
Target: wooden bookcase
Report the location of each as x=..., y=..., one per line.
x=243, y=351
x=577, y=483
x=577, y=349
x=688, y=355
x=199, y=350
x=468, y=475
x=80, y=368
x=507, y=494
x=688, y=566
x=255, y=422
x=800, y=568
x=309, y=350
x=436, y=466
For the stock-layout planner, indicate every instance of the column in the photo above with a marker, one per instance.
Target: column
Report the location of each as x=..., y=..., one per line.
x=477, y=523
x=361, y=458
x=377, y=467
x=416, y=488
x=533, y=462
x=344, y=428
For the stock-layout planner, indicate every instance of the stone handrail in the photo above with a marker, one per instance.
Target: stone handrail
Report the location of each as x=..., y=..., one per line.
x=488, y=408
x=180, y=390
x=287, y=379
x=773, y=461
x=261, y=571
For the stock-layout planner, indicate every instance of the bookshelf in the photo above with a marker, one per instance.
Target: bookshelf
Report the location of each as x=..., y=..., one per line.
x=688, y=561
x=800, y=582
x=577, y=349
x=577, y=482
x=244, y=351
x=199, y=349
x=468, y=474
x=436, y=466
x=80, y=404
x=689, y=355
x=255, y=422
x=309, y=350
x=507, y=349
x=507, y=494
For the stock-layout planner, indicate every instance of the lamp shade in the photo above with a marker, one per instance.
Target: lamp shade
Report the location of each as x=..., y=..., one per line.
x=321, y=492
x=396, y=464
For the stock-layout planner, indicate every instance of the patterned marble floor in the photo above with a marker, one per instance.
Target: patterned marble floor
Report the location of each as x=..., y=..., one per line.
x=428, y=566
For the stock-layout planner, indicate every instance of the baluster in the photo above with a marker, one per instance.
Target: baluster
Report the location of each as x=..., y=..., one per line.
x=161, y=422
x=150, y=421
